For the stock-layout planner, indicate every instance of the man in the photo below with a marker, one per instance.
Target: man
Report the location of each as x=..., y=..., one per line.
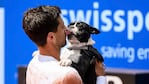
x=46, y=29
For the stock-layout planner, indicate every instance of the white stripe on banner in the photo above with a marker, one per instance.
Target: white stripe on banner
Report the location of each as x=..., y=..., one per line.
x=2, y=46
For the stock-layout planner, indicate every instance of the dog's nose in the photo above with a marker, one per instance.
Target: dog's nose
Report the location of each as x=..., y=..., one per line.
x=67, y=31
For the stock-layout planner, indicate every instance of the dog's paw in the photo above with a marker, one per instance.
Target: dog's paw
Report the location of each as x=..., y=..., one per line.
x=65, y=62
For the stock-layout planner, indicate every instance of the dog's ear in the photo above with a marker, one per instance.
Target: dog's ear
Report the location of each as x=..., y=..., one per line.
x=94, y=30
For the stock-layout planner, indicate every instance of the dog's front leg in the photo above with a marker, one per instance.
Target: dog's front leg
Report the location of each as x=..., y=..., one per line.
x=65, y=62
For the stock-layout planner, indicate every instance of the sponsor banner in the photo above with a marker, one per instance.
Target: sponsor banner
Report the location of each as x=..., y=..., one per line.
x=124, y=28
x=123, y=40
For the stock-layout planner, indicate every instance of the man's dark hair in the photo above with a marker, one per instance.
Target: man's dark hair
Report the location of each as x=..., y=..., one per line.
x=38, y=22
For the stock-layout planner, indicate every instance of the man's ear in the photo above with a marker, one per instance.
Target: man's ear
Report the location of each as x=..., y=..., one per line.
x=94, y=30
x=50, y=35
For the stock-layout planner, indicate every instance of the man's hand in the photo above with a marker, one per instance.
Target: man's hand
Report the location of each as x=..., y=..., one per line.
x=100, y=68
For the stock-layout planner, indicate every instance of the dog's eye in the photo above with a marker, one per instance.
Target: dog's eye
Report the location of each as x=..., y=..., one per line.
x=71, y=27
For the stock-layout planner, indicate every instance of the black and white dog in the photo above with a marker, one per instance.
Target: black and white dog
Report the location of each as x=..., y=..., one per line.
x=80, y=52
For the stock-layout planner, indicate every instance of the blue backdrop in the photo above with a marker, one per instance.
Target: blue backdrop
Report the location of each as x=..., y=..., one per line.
x=124, y=27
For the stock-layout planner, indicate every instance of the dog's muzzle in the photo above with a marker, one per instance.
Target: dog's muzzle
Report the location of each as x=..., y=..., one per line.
x=67, y=32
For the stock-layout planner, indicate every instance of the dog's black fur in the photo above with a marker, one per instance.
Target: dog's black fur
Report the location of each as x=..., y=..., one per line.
x=85, y=63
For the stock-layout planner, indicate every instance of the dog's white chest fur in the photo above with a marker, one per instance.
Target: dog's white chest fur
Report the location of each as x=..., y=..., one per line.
x=66, y=53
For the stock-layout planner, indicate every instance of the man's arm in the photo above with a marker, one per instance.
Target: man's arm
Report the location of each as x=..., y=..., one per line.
x=71, y=77
x=100, y=72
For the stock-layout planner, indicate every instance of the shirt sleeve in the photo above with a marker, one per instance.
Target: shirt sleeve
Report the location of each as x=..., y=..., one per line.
x=101, y=80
